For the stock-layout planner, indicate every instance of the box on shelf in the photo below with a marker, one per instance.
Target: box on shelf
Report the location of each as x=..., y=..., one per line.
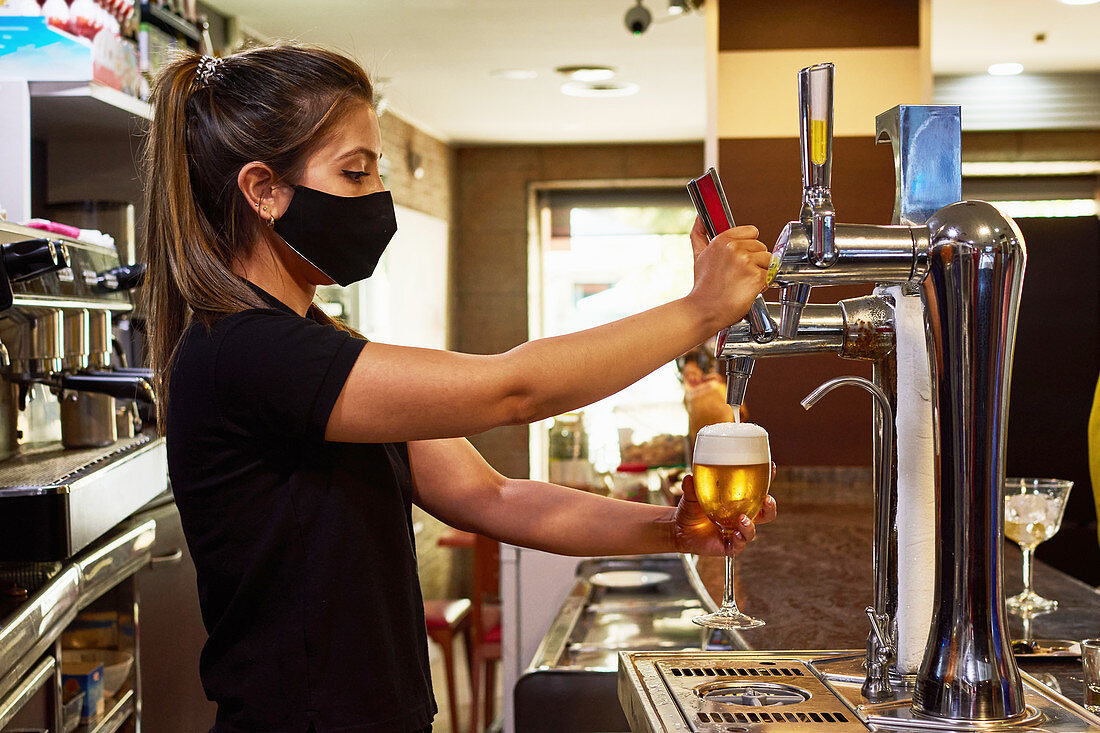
x=92, y=630
x=86, y=677
x=33, y=49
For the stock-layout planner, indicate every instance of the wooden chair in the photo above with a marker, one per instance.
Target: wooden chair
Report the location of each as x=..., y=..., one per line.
x=485, y=619
x=445, y=618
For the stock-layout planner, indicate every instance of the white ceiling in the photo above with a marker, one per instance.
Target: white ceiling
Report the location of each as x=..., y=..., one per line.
x=969, y=35
x=438, y=55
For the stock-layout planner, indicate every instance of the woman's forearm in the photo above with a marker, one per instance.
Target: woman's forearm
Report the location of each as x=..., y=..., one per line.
x=549, y=376
x=562, y=373
x=571, y=522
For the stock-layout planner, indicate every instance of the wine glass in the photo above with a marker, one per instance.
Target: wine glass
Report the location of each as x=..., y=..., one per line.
x=1033, y=513
x=732, y=468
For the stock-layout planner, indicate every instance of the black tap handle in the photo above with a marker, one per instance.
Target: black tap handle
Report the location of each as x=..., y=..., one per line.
x=143, y=372
x=123, y=387
x=33, y=257
x=123, y=277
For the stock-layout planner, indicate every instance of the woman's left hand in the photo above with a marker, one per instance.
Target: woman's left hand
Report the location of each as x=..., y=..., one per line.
x=694, y=533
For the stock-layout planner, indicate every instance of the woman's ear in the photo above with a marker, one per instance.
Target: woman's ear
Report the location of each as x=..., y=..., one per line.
x=265, y=194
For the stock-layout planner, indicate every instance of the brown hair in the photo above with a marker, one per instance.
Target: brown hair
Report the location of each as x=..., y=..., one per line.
x=272, y=104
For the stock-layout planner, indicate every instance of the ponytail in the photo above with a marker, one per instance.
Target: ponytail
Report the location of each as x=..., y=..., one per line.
x=268, y=104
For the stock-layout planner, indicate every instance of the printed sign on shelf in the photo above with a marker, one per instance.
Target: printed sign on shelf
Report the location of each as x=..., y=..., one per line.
x=33, y=49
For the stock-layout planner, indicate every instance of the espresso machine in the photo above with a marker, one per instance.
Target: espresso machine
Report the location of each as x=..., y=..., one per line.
x=74, y=457
x=939, y=330
x=77, y=467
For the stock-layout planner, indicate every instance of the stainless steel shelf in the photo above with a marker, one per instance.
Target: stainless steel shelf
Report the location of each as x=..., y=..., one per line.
x=84, y=109
x=169, y=22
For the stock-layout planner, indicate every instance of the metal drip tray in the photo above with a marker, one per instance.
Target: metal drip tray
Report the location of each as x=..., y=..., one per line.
x=54, y=502
x=755, y=692
x=714, y=692
x=53, y=468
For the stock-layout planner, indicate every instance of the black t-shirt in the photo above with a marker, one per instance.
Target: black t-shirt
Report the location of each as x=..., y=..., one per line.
x=304, y=548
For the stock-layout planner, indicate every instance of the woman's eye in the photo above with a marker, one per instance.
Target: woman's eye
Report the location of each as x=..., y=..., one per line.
x=355, y=175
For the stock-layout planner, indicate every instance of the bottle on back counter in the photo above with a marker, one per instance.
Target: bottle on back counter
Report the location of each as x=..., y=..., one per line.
x=631, y=482
x=569, y=464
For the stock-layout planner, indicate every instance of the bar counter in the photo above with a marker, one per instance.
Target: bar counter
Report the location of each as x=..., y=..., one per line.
x=808, y=575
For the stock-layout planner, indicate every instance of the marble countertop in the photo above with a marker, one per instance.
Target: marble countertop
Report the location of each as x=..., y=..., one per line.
x=808, y=574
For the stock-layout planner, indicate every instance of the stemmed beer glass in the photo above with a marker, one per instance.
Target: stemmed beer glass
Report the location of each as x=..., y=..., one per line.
x=1033, y=514
x=732, y=469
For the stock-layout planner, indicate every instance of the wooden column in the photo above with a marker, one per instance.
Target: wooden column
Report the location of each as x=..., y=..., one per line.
x=755, y=49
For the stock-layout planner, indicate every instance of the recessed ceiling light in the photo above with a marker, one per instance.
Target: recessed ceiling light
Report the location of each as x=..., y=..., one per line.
x=1080, y=2
x=587, y=73
x=599, y=89
x=1007, y=69
x=514, y=74
x=677, y=7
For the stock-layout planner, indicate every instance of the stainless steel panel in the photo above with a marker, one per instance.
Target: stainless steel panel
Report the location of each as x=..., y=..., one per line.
x=29, y=632
x=925, y=138
x=12, y=701
x=172, y=634
x=55, y=502
x=116, y=559
x=570, y=684
x=74, y=287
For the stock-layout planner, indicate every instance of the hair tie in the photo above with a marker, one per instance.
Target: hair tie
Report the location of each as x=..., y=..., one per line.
x=208, y=69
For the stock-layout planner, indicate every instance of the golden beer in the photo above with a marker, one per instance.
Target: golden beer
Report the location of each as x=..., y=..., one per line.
x=727, y=492
x=732, y=471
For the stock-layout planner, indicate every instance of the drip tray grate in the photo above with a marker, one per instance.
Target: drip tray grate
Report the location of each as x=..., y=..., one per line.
x=763, y=717
x=755, y=695
x=735, y=672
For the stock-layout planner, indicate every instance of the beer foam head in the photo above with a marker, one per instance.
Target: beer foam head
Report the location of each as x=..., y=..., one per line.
x=731, y=444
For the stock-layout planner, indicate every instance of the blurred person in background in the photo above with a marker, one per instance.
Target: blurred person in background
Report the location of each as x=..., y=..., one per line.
x=704, y=391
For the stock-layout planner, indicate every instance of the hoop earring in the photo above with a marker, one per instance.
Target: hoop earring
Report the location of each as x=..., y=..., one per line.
x=271, y=221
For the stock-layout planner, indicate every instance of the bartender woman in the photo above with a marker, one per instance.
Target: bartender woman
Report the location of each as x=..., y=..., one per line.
x=296, y=448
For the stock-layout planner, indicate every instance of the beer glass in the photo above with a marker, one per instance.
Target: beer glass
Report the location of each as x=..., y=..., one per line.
x=732, y=469
x=1033, y=513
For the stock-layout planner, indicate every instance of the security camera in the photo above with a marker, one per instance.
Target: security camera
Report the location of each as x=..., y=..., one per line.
x=637, y=19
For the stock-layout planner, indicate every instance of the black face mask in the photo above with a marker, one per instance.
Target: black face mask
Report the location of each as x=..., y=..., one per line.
x=342, y=236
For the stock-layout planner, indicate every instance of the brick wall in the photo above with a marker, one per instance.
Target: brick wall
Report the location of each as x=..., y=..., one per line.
x=430, y=194
x=489, y=258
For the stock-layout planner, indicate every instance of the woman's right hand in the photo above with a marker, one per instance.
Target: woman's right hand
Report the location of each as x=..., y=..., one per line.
x=730, y=271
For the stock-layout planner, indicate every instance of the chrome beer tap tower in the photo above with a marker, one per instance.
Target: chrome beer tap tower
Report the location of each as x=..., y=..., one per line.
x=966, y=260
x=955, y=269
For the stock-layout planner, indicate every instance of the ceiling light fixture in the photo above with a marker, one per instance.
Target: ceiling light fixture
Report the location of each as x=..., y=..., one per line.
x=599, y=89
x=678, y=7
x=514, y=74
x=1006, y=69
x=1080, y=2
x=587, y=72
